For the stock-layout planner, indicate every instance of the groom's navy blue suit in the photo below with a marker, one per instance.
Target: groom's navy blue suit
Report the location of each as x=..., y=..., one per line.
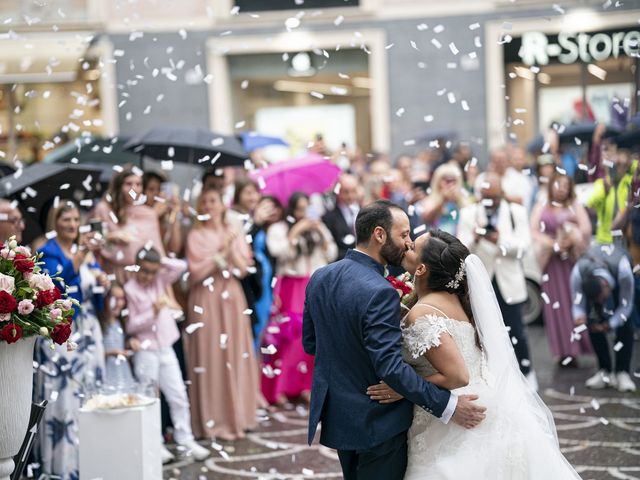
x=352, y=326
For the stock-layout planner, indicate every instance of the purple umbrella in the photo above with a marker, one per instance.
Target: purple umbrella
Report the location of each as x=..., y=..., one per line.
x=309, y=174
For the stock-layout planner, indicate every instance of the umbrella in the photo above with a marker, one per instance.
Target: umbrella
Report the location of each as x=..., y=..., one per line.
x=189, y=145
x=309, y=174
x=437, y=134
x=36, y=187
x=581, y=131
x=103, y=153
x=628, y=139
x=253, y=141
x=20, y=460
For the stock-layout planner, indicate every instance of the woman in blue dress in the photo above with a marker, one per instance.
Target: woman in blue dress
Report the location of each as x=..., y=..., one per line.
x=63, y=377
x=263, y=305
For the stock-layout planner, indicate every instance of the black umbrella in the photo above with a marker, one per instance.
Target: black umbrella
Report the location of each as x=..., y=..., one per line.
x=437, y=134
x=630, y=139
x=103, y=153
x=582, y=131
x=190, y=145
x=20, y=460
x=37, y=186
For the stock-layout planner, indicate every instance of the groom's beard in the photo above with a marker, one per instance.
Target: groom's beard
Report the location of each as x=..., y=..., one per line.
x=391, y=253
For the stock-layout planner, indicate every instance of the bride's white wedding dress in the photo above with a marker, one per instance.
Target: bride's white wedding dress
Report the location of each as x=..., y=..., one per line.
x=517, y=440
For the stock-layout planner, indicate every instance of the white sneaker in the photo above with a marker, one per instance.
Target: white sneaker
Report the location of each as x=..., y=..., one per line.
x=196, y=450
x=532, y=380
x=166, y=455
x=625, y=384
x=602, y=379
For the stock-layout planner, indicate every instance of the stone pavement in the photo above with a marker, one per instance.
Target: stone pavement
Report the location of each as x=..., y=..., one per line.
x=599, y=432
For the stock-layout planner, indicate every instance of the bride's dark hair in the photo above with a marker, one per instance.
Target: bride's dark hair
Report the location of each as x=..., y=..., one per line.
x=444, y=256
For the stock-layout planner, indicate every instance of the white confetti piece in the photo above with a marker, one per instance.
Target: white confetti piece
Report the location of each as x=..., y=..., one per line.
x=269, y=350
x=594, y=404
x=198, y=309
x=193, y=327
x=436, y=43
x=453, y=48
x=580, y=328
x=545, y=297
x=618, y=346
x=224, y=338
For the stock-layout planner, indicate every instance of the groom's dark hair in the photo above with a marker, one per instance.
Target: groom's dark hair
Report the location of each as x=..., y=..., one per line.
x=376, y=214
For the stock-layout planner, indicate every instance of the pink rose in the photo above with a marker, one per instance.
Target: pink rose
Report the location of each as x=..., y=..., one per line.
x=66, y=304
x=7, y=283
x=26, y=251
x=5, y=317
x=55, y=313
x=25, y=307
x=40, y=282
x=7, y=254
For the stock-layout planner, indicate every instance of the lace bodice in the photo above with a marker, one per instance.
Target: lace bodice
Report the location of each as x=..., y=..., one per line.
x=426, y=332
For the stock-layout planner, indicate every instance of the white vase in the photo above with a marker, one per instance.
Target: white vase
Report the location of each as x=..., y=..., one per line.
x=16, y=384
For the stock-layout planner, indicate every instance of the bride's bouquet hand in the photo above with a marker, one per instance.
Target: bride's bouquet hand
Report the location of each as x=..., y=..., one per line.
x=383, y=393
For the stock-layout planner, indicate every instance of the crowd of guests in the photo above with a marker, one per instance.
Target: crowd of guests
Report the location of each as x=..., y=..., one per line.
x=204, y=302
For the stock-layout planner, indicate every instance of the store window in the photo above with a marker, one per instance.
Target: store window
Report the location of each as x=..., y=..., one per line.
x=305, y=96
x=571, y=78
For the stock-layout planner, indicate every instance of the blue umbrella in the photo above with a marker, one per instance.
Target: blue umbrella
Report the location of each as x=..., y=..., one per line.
x=252, y=141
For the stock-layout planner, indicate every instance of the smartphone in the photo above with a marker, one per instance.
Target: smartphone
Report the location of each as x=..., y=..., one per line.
x=313, y=213
x=169, y=189
x=96, y=226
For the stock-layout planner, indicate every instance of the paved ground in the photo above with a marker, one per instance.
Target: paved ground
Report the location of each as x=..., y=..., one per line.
x=599, y=432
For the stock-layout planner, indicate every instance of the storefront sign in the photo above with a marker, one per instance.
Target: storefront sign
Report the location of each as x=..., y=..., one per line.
x=539, y=49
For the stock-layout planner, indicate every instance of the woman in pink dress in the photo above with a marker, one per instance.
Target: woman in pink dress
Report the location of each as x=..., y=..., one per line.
x=561, y=231
x=300, y=244
x=223, y=369
x=130, y=224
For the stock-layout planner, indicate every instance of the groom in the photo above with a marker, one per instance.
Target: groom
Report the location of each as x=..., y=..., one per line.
x=352, y=326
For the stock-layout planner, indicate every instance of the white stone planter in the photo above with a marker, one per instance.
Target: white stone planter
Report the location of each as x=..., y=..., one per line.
x=16, y=384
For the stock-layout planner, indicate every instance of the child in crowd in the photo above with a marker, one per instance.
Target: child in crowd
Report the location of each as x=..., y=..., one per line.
x=152, y=323
x=118, y=374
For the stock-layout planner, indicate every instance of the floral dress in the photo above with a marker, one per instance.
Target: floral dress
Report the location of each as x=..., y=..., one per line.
x=63, y=377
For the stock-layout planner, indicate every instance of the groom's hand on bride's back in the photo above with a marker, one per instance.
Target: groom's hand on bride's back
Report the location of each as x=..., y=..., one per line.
x=468, y=414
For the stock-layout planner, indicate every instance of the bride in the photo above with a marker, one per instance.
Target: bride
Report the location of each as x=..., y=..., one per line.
x=455, y=335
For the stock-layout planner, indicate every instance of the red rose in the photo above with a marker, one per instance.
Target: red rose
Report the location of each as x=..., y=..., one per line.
x=403, y=288
x=23, y=263
x=47, y=297
x=7, y=303
x=61, y=333
x=11, y=333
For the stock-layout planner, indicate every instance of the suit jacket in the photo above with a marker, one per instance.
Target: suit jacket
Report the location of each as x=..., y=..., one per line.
x=342, y=234
x=351, y=324
x=504, y=259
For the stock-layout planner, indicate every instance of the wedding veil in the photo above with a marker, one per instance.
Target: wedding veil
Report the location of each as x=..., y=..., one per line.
x=504, y=374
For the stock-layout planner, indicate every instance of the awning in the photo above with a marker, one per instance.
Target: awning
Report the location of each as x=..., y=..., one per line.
x=42, y=57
